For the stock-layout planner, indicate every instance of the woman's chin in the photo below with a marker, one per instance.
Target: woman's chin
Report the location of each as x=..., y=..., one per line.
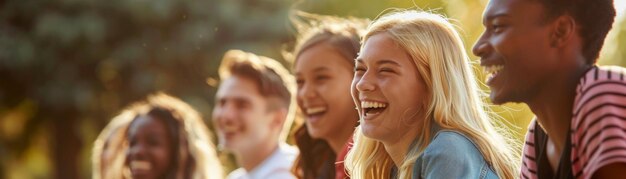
x=370, y=131
x=315, y=134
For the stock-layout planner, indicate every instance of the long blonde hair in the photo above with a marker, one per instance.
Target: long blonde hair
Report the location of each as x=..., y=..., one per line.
x=437, y=50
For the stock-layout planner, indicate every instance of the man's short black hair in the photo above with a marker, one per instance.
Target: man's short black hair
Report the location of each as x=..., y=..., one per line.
x=593, y=17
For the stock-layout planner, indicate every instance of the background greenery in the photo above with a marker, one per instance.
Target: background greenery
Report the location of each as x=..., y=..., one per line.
x=68, y=66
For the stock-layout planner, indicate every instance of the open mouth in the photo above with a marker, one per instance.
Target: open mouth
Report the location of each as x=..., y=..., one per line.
x=138, y=165
x=492, y=72
x=372, y=107
x=230, y=128
x=315, y=111
x=314, y=114
x=228, y=131
x=141, y=169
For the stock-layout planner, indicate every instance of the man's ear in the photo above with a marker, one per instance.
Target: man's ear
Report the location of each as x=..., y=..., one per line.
x=564, y=31
x=279, y=117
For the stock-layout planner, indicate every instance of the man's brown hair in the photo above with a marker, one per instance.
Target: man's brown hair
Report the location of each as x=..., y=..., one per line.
x=271, y=78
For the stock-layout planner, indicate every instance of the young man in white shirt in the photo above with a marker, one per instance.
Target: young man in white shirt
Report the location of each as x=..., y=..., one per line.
x=252, y=106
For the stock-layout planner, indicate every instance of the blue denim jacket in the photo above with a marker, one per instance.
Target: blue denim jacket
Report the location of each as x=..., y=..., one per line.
x=452, y=155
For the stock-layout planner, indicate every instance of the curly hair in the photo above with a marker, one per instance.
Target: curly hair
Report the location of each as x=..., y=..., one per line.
x=194, y=154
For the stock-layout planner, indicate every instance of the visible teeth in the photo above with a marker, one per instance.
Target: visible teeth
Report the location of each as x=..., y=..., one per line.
x=371, y=104
x=315, y=110
x=140, y=165
x=229, y=128
x=493, y=69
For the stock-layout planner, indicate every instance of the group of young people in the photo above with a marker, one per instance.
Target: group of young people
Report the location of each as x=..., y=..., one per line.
x=397, y=98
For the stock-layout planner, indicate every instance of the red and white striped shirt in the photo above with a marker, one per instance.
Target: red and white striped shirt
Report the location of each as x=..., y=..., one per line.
x=598, y=128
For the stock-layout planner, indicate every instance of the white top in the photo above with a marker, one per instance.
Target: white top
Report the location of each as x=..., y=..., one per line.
x=276, y=166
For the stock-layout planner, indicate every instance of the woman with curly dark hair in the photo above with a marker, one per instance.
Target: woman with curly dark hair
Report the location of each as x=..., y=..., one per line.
x=162, y=137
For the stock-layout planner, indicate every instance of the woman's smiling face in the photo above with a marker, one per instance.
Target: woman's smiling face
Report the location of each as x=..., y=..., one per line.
x=150, y=151
x=387, y=89
x=323, y=76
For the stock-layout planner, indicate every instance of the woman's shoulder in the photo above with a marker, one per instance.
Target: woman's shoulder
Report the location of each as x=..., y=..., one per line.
x=451, y=142
x=451, y=154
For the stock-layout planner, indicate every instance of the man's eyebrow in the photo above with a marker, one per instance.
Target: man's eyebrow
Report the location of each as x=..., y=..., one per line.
x=493, y=16
x=232, y=98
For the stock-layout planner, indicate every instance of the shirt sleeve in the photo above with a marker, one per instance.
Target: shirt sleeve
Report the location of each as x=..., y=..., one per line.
x=599, y=126
x=529, y=163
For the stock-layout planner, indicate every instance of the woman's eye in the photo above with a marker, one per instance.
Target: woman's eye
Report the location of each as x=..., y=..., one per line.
x=299, y=82
x=154, y=142
x=386, y=70
x=322, y=78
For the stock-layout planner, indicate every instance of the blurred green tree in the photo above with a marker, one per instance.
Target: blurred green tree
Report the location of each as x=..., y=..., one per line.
x=68, y=66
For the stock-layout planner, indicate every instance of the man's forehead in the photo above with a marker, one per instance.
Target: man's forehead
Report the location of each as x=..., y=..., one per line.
x=495, y=7
x=498, y=8
x=238, y=88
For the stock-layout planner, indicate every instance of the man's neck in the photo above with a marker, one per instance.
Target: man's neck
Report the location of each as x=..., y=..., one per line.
x=252, y=157
x=554, y=102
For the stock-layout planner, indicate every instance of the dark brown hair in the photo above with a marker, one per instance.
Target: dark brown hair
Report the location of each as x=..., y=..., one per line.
x=317, y=159
x=193, y=153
